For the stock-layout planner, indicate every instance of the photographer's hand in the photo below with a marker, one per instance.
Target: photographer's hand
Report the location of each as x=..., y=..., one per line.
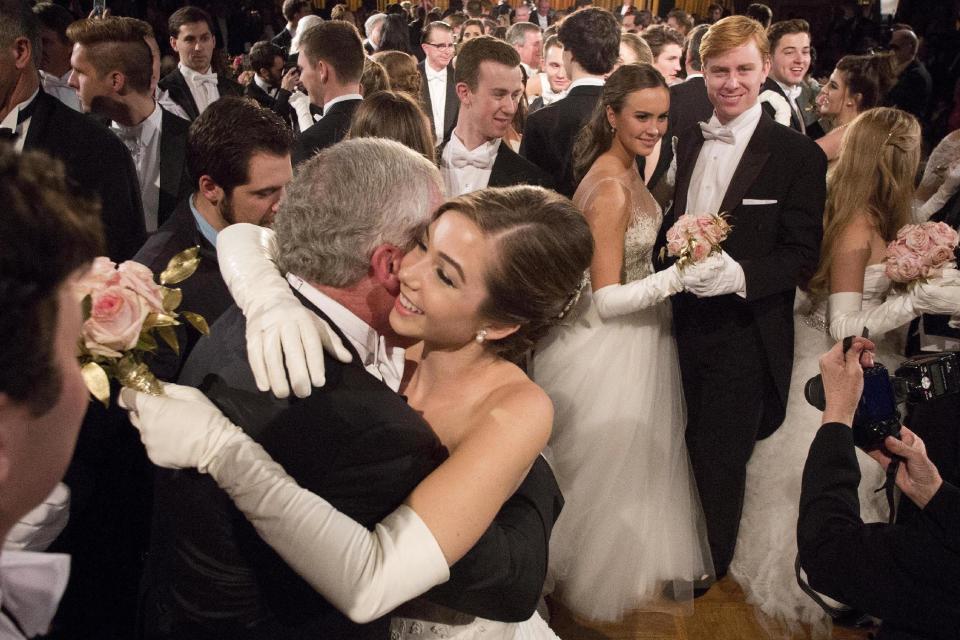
x=917, y=477
x=843, y=379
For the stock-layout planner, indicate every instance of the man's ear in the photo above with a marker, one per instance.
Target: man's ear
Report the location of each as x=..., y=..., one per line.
x=210, y=190
x=385, y=263
x=463, y=92
x=22, y=50
x=173, y=44
x=118, y=81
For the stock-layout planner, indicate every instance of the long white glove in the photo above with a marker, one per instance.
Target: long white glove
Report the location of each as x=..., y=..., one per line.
x=38, y=529
x=846, y=317
x=365, y=574
x=620, y=299
x=279, y=328
x=715, y=276
x=940, y=295
x=951, y=182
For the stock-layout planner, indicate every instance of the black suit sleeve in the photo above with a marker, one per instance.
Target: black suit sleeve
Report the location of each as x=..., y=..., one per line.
x=533, y=145
x=121, y=206
x=904, y=574
x=502, y=576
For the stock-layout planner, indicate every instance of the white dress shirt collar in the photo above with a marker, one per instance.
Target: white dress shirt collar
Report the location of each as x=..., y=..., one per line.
x=437, y=89
x=382, y=361
x=691, y=76
x=143, y=142
x=204, y=87
x=792, y=92
x=267, y=89
x=31, y=585
x=343, y=98
x=433, y=75
x=586, y=81
x=459, y=180
x=20, y=128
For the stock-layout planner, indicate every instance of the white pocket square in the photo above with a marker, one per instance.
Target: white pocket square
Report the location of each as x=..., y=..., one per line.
x=748, y=202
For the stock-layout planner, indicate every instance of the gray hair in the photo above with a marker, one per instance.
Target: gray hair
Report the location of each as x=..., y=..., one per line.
x=348, y=200
x=372, y=22
x=17, y=20
x=517, y=34
x=302, y=27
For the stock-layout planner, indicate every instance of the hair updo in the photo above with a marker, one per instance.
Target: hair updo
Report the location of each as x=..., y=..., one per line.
x=543, y=246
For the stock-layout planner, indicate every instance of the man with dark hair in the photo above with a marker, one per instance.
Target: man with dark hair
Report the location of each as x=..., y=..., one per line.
x=914, y=85
x=193, y=85
x=112, y=67
x=761, y=13
x=714, y=13
x=789, y=65
x=293, y=11
x=331, y=63
x=438, y=94
x=666, y=44
x=591, y=42
x=238, y=157
x=527, y=39
x=94, y=158
x=681, y=21
x=55, y=52
x=489, y=86
x=271, y=87
x=42, y=394
x=628, y=21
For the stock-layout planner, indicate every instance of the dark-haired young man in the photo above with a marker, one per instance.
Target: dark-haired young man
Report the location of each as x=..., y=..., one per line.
x=293, y=11
x=238, y=157
x=55, y=55
x=331, y=63
x=790, y=62
x=112, y=67
x=591, y=42
x=271, y=87
x=489, y=86
x=438, y=94
x=193, y=85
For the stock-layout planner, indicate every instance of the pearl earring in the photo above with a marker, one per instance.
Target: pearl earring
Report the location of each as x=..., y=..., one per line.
x=481, y=336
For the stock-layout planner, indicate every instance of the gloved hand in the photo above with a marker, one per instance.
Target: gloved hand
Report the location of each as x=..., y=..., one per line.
x=38, y=529
x=180, y=429
x=715, y=276
x=279, y=328
x=941, y=295
x=619, y=299
x=949, y=186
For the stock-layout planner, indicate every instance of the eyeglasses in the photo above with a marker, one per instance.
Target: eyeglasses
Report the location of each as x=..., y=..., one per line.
x=441, y=46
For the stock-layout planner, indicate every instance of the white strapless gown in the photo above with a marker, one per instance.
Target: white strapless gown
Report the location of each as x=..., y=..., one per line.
x=631, y=533
x=767, y=541
x=422, y=620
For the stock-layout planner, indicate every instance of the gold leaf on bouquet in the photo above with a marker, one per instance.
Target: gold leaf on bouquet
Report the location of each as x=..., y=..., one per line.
x=199, y=322
x=169, y=335
x=136, y=375
x=171, y=299
x=181, y=266
x=97, y=382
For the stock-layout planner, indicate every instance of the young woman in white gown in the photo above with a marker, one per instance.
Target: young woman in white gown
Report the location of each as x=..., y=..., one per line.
x=631, y=534
x=869, y=198
x=492, y=272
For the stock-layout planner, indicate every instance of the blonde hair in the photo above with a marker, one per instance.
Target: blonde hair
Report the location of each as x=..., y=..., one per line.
x=732, y=32
x=639, y=46
x=875, y=174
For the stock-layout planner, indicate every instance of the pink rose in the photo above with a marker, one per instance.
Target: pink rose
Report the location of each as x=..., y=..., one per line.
x=917, y=239
x=116, y=318
x=902, y=231
x=710, y=231
x=139, y=278
x=906, y=268
x=897, y=249
x=941, y=234
x=101, y=274
x=938, y=256
x=700, y=251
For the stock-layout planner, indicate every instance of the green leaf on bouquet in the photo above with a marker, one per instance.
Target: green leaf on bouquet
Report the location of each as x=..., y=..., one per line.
x=134, y=374
x=146, y=342
x=97, y=382
x=171, y=299
x=198, y=322
x=169, y=335
x=181, y=266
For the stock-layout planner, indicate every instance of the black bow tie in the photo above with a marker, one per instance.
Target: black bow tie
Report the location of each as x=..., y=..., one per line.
x=25, y=113
x=7, y=134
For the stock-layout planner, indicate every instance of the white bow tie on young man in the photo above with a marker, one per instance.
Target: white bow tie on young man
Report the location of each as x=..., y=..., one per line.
x=207, y=78
x=480, y=158
x=717, y=132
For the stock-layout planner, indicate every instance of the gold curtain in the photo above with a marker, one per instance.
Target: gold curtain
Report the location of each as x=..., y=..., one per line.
x=699, y=7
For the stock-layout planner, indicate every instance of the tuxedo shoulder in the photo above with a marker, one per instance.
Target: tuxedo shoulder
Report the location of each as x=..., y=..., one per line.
x=172, y=78
x=786, y=138
x=175, y=235
x=175, y=122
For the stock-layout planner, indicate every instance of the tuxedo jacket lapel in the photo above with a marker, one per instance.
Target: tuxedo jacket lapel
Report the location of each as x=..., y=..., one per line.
x=688, y=148
x=42, y=112
x=425, y=91
x=357, y=360
x=174, y=181
x=452, y=105
x=751, y=164
x=176, y=85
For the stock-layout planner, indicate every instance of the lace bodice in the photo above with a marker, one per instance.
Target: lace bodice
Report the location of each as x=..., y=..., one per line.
x=645, y=219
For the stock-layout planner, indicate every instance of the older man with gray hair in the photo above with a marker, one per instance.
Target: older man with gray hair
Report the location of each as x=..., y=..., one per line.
x=373, y=29
x=527, y=39
x=340, y=237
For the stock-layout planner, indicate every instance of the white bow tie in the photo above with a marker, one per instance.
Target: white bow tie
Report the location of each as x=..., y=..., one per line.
x=793, y=92
x=210, y=78
x=718, y=132
x=130, y=136
x=32, y=584
x=482, y=157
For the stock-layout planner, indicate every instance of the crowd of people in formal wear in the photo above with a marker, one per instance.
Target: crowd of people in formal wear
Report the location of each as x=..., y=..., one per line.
x=453, y=380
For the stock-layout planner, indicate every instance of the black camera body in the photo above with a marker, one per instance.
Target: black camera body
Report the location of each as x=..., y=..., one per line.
x=916, y=380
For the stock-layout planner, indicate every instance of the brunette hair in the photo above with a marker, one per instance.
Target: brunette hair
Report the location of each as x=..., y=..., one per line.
x=54, y=17
x=761, y=13
x=543, y=248
x=338, y=44
x=592, y=36
x=871, y=76
x=692, y=46
x=401, y=69
x=342, y=12
x=48, y=233
x=731, y=32
x=786, y=27
x=479, y=50
x=395, y=35
x=433, y=26
x=682, y=18
x=263, y=54
x=660, y=35
x=374, y=78
x=874, y=175
x=117, y=44
x=187, y=15
x=291, y=8
x=473, y=22
x=596, y=137
x=397, y=116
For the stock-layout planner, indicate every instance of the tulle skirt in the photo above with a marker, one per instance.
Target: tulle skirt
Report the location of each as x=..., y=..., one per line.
x=631, y=535
x=423, y=620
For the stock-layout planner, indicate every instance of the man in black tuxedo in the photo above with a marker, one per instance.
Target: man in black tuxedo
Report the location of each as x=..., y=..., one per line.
x=115, y=47
x=790, y=62
x=489, y=86
x=543, y=16
x=914, y=86
x=193, y=85
x=331, y=63
x=438, y=94
x=271, y=87
x=734, y=327
x=592, y=38
x=95, y=160
x=354, y=441
x=904, y=574
x=293, y=11
x=527, y=39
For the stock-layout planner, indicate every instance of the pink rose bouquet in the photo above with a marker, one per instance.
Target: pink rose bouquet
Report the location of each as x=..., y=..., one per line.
x=693, y=238
x=124, y=312
x=920, y=252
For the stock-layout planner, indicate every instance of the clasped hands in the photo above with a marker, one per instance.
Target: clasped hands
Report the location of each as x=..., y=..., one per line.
x=717, y=275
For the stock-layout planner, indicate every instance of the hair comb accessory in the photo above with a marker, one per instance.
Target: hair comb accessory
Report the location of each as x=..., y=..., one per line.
x=574, y=297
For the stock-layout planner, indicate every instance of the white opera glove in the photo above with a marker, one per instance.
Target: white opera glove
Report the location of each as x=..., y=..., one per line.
x=716, y=276
x=620, y=299
x=279, y=328
x=38, y=529
x=365, y=574
x=846, y=317
x=951, y=182
x=940, y=295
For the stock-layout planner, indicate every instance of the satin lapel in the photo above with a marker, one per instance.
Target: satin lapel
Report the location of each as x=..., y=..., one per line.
x=425, y=93
x=500, y=172
x=754, y=157
x=452, y=102
x=687, y=151
x=42, y=111
x=170, y=166
x=189, y=105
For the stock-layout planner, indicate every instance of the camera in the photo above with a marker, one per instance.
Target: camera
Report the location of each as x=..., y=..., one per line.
x=916, y=380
